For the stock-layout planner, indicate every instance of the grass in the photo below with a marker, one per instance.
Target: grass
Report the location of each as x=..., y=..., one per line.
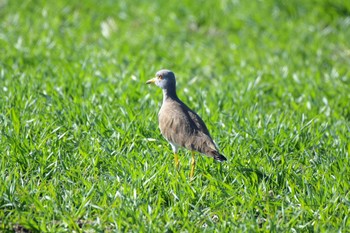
x=79, y=142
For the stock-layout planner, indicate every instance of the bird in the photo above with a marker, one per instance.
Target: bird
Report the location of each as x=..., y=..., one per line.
x=181, y=126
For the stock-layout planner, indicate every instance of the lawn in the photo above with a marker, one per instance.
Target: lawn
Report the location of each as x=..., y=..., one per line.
x=80, y=146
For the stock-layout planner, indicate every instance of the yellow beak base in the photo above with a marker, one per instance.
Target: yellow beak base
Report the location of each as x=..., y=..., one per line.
x=153, y=80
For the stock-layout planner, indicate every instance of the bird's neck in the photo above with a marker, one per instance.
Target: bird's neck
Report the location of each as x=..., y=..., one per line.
x=169, y=94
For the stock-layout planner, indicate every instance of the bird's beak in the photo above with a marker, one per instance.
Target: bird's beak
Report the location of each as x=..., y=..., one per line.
x=153, y=80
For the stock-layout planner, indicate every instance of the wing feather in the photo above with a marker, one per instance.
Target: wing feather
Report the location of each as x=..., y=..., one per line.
x=180, y=125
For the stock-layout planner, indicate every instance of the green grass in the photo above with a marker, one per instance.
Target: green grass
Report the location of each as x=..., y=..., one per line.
x=80, y=147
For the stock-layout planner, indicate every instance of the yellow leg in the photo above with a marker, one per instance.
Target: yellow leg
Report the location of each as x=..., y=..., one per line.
x=176, y=158
x=193, y=165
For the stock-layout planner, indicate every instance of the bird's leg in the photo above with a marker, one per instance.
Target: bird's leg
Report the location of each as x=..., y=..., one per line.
x=176, y=158
x=193, y=165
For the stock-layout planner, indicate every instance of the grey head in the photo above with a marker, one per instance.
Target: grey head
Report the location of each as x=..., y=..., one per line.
x=164, y=79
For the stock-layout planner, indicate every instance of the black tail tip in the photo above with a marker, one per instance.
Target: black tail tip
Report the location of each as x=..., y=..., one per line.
x=220, y=158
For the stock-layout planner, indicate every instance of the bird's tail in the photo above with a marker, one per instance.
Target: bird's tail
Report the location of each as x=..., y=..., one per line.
x=219, y=157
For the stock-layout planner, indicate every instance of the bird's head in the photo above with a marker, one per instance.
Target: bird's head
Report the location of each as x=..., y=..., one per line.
x=164, y=79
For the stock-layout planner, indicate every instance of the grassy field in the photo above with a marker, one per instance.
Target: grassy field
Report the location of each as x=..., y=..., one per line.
x=80, y=146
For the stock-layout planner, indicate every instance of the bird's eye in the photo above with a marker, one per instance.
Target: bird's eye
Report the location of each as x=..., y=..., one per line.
x=160, y=77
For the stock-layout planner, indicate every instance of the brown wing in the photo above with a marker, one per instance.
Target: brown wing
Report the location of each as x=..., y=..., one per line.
x=180, y=125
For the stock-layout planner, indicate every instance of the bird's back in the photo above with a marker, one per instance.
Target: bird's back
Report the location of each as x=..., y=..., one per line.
x=182, y=126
